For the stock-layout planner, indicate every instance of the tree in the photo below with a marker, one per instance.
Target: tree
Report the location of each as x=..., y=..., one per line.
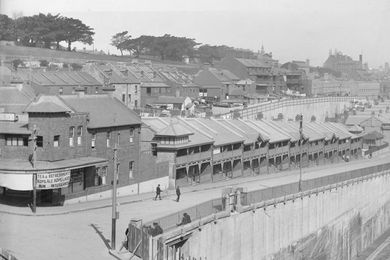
x=6, y=28
x=118, y=40
x=16, y=63
x=77, y=31
x=43, y=63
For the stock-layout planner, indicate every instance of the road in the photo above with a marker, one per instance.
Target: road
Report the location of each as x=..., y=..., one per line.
x=85, y=235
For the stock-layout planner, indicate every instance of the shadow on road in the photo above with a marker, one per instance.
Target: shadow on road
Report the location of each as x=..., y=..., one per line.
x=105, y=240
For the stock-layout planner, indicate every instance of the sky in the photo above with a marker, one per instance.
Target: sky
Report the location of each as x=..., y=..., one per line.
x=290, y=29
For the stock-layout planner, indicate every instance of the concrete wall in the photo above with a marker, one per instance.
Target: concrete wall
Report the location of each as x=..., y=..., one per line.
x=334, y=224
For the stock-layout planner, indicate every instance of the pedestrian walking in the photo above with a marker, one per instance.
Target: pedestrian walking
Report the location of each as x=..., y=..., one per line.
x=178, y=193
x=158, y=192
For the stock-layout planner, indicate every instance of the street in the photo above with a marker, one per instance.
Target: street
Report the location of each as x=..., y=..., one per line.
x=86, y=234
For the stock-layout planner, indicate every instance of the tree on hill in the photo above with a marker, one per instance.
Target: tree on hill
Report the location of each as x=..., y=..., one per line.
x=77, y=31
x=6, y=28
x=42, y=30
x=118, y=40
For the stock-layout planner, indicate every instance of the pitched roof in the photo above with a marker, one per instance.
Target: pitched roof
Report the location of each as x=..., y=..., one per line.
x=250, y=134
x=104, y=110
x=219, y=133
x=14, y=128
x=356, y=120
x=48, y=104
x=59, y=78
x=274, y=134
x=14, y=100
x=197, y=138
x=253, y=63
x=174, y=129
x=374, y=135
x=355, y=128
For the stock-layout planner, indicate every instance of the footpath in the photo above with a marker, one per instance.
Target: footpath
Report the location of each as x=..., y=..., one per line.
x=104, y=203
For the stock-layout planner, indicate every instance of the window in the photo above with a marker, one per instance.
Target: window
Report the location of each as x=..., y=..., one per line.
x=71, y=136
x=136, y=89
x=108, y=139
x=131, y=134
x=40, y=141
x=148, y=91
x=56, y=141
x=131, y=167
x=79, y=134
x=129, y=98
x=11, y=140
x=136, y=103
x=123, y=98
x=93, y=140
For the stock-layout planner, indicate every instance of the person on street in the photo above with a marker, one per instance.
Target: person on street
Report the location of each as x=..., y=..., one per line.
x=185, y=220
x=126, y=241
x=158, y=192
x=178, y=193
x=156, y=230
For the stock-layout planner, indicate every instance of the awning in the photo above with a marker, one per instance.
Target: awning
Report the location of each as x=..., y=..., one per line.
x=14, y=128
x=18, y=174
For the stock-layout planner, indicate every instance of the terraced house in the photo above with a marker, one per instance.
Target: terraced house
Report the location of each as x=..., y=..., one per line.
x=204, y=150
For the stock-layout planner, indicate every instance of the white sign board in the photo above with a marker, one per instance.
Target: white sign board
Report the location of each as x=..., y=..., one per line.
x=53, y=180
x=8, y=117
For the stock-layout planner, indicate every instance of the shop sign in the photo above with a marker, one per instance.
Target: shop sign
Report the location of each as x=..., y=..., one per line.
x=53, y=180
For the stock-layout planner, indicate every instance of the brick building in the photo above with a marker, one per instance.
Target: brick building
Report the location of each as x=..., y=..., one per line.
x=61, y=82
x=203, y=150
x=75, y=137
x=266, y=79
x=118, y=82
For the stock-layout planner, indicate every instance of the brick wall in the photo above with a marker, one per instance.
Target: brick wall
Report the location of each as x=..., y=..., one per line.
x=50, y=125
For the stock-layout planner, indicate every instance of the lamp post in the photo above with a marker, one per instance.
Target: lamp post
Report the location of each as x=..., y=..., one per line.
x=114, y=200
x=34, y=161
x=300, y=152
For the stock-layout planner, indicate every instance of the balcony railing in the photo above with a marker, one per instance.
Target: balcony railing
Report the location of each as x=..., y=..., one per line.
x=278, y=150
x=227, y=155
x=195, y=157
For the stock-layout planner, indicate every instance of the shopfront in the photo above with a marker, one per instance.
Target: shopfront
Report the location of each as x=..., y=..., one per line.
x=54, y=182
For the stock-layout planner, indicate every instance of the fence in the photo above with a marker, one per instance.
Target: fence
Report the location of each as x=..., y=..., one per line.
x=252, y=111
x=292, y=188
x=196, y=212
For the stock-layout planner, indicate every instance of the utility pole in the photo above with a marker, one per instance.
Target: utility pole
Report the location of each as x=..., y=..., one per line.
x=34, y=161
x=300, y=153
x=114, y=208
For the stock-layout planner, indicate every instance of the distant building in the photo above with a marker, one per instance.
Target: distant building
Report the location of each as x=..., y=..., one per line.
x=152, y=83
x=339, y=62
x=118, y=82
x=60, y=82
x=266, y=80
x=222, y=78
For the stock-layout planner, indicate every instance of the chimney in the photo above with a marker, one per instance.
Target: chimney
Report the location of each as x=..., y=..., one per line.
x=361, y=58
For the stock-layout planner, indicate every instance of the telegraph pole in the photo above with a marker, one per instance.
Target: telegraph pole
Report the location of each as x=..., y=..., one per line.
x=300, y=152
x=34, y=161
x=114, y=208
